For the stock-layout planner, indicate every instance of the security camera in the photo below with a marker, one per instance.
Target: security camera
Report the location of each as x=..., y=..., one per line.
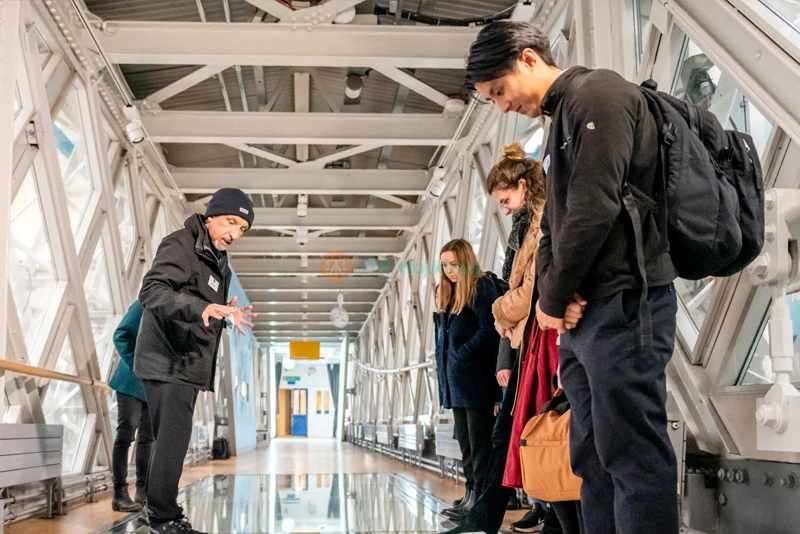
x=437, y=182
x=302, y=236
x=134, y=127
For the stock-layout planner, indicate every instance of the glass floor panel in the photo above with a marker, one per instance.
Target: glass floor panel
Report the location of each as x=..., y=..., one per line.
x=334, y=503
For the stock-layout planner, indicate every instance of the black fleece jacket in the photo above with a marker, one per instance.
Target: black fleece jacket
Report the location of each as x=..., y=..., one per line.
x=601, y=135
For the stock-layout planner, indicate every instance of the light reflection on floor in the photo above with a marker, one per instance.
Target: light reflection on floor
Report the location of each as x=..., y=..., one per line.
x=331, y=503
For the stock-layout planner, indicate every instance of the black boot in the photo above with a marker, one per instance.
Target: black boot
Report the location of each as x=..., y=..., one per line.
x=461, y=502
x=462, y=511
x=122, y=501
x=458, y=502
x=513, y=502
x=141, y=495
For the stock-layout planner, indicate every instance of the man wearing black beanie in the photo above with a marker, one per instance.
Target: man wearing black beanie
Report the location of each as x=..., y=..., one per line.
x=184, y=296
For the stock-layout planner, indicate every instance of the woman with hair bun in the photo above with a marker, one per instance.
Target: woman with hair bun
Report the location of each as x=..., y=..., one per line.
x=516, y=182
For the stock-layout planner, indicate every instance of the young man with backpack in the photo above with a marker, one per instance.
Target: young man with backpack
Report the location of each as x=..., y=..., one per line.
x=618, y=159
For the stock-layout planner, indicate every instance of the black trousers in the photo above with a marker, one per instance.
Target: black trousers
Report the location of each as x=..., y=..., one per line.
x=473, y=427
x=132, y=414
x=618, y=432
x=171, y=409
x=569, y=517
x=490, y=507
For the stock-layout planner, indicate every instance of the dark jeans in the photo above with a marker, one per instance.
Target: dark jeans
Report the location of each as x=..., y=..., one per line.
x=618, y=432
x=171, y=409
x=132, y=414
x=569, y=516
x=473, y=427
x=490, y=507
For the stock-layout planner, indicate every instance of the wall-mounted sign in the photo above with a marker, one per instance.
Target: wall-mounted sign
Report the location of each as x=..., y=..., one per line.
x=304, y=350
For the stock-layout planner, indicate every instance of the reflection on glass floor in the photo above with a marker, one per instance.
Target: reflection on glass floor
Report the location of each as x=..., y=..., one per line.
x=303, y=503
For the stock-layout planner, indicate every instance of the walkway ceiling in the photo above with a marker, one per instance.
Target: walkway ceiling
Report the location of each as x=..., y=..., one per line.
x=252, y=94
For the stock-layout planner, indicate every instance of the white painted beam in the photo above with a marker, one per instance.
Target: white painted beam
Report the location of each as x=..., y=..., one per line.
x=318, y=283
x=281, y=308
x=272, y=246
x=273, y=7
x=249, y=267
x=192, y=43
x=190, y=80
x=302, y=104
x=266, y=154
x=290, y=181
x=310, y=316
x=291, y=129
x=320, y=163
x=418, y=86
x=328, y=298
x=330, y=218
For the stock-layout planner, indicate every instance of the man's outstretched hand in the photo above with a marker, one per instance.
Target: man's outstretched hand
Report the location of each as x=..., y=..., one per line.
x=240, y=314
x=216, y=311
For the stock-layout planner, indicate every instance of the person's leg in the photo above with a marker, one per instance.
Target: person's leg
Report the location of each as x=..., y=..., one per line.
x=171, y=407
x=461, y=426
x=597, y=490
x=128, y=416
x=479, y=423
x=490, y=507
x=552, y=525
x=567, y=513
x=628, y=397
x=144, y=446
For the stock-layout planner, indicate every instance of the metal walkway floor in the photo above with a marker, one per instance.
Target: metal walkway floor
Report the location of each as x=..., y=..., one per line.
x=330, y=503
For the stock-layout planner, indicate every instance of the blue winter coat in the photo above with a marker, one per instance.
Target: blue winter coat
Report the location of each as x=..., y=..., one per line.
x=123, y=380
x=466, y=352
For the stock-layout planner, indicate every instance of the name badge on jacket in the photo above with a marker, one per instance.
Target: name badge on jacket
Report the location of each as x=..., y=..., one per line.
x=213, y=284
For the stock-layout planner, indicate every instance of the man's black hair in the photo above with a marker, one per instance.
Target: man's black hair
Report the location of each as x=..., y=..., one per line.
x=498, y=47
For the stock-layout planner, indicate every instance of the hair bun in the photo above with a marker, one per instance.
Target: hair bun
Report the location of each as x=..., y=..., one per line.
x=514, y=152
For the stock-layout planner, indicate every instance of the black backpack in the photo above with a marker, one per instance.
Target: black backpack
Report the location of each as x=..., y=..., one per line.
x=501, y=285
x=220, y=449
x=711, y=200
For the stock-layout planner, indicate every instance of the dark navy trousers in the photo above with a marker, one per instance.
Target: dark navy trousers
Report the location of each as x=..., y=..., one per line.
x=618, y=424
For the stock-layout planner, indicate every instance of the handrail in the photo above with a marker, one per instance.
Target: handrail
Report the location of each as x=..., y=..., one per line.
x=32, y=370
x=371, y=369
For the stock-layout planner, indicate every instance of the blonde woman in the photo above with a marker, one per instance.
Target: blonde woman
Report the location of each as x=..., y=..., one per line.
x=466, y=356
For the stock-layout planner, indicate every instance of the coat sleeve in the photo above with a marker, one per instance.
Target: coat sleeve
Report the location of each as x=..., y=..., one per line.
x=506, y=356
x=602, y=123
x=515, y=305
x=486, y=339
x=160, y=293
x=126, y=333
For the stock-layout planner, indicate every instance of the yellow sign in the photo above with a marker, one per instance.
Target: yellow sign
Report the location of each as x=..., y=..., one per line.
x=304, y=350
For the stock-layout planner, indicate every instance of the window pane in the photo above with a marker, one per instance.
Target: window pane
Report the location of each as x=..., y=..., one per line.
x=477, y=210
x=702, y=83
x=499, y=258
x=788, y=10
x=101, y=309
x=17, y=104
x=72, y=158
x=759, y=369
x=642, y=23
x=30, y=262
x=530, y=134
x=44, y=50
x=122, y=199
x=425, y=270
x=63, y=405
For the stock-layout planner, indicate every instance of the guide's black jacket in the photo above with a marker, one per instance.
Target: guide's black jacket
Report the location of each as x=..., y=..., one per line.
x=188, y=274
x=601, y=135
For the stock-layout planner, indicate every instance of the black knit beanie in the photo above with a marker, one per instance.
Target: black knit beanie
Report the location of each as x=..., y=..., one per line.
x=229, y=201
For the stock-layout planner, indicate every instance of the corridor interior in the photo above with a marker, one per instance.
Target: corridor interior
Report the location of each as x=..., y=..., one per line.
x=294, y=485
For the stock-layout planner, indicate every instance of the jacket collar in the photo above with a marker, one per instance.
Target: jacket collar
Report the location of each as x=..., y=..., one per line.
x=561, y=86
x=202, y=241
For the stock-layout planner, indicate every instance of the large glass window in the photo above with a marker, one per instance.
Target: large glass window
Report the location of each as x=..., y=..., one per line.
x=788, y=10
x=44, y=50
x=759, y=368
x=702, y=83
x=17, y=104
x=477, y=211
x=641, y=24
x=101, y=309
x=122, y=200
x=499, y=258
x=72, y=157
x=63, y=405
x=30, y=262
